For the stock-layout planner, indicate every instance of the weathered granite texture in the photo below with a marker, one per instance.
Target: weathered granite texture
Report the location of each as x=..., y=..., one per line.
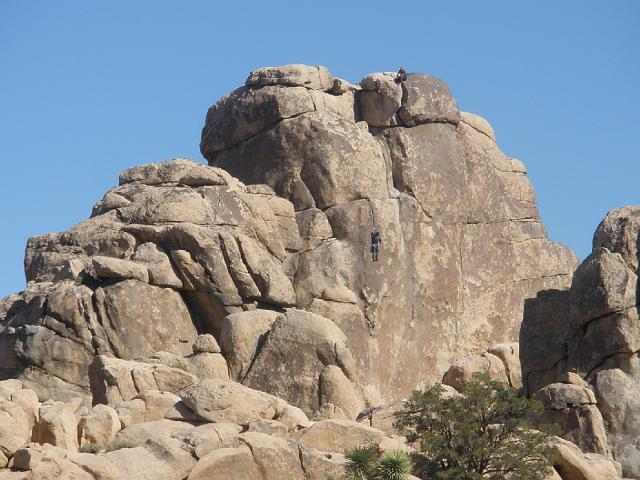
x=589, y=336
x=462, y=240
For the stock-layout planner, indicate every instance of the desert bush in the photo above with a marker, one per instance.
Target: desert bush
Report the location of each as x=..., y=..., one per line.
x=115, y=444
x=485, y=433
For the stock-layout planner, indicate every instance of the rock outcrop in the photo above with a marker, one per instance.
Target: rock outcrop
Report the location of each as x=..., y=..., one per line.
x=224, y=318
x=463, y=244
x=179, y=248
x=501, y=362
x=579, y=347
x=170, y=252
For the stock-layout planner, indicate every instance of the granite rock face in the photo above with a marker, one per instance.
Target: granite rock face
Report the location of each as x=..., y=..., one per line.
x=229, y=317
x=276, y=266
x=588, y=337
x=463, y=244
x=181, y=246
x=166, y=256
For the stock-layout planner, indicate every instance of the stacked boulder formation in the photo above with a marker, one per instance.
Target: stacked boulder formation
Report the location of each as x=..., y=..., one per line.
x=579, y=346
x=221, y=316
x=462, y=240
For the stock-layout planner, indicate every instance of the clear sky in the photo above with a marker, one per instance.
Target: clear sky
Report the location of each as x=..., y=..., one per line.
x=88, y=89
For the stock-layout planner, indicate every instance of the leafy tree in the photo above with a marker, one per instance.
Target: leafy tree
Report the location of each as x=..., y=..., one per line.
x=485, y=433
x=366, y=462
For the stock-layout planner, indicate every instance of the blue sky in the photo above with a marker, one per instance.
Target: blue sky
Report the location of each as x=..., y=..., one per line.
x=90, y=88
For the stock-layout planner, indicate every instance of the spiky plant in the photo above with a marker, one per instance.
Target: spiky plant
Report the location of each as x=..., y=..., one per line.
x=362, y=461
x=394, y=465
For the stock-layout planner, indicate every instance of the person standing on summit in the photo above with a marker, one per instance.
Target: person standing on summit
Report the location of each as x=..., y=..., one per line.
x=402, y=75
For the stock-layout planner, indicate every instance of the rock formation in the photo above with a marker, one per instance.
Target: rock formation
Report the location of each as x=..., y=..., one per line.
x=579, y=346
x=224, y=316
x=180, y=246
x=463, y=244
x=205, y=434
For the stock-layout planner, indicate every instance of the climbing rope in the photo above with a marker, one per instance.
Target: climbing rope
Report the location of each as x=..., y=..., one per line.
x=372, y=215
x=215, y=216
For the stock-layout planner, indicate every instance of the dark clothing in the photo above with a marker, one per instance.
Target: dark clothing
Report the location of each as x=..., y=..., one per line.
x=402, y=76
x=375, y=245
x=375, y=249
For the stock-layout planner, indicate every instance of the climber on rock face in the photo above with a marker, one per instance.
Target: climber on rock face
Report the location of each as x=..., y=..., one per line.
x=375, y=245
x=402, y=75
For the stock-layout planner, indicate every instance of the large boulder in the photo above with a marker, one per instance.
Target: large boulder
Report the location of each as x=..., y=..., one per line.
x=616, y=392
x=619, y=232
x=153, y=460
x=590, y=335
x=58, y=426
x=574, y=409
x=276, y=457
x=305, y=345
x=225, y=463
x=509, y=353
x=16, y=427
x=241, y=336
x=426, y=99
x=316, y=159
x=114, y=380
x=380, y=99
x=338, y=435
x=501, y=362
x=464, y=369
x=314, y=77
x=99, y=427
x=573, y=464
x=43, y=462
x=228, y=401
x=128, y=307
x=247, y=111
x=602, y=284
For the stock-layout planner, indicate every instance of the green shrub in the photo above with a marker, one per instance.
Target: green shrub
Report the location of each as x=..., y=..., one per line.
x=115, y=444
x=485, y=433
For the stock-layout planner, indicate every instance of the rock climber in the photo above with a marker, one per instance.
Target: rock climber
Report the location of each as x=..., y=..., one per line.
x=375, y=245
x=402, y=75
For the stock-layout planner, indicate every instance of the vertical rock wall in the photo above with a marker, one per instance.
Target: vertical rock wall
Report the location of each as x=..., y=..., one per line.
x=463, y=244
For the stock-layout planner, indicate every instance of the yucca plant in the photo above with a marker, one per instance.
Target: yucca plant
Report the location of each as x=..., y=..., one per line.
x=394, y=465
x=366, y=462
x=362, y=461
